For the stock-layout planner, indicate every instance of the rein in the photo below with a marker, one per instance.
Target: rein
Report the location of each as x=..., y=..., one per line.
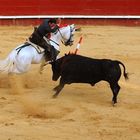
x=54, y=42
x=48, y=41
x=63, y=37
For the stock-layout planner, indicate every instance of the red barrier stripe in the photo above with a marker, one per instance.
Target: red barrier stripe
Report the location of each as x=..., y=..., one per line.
x=70, y=7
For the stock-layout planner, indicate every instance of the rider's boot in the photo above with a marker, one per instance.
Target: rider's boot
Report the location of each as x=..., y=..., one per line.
x=53, y=53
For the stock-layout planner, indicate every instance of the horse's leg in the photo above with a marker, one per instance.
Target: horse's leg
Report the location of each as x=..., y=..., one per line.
x=44, y=62
x=22, y=64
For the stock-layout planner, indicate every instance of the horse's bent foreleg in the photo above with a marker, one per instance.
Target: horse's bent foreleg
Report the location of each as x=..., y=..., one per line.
x=43, y=64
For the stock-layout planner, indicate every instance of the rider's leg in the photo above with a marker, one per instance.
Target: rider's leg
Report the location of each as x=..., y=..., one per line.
x=54, y=53
x=50, y=52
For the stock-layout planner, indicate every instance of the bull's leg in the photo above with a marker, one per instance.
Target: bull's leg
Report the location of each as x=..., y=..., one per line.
x=58, y=88
x=115, y=89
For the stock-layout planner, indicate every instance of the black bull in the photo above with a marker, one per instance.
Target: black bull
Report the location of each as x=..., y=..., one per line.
x=81, y=69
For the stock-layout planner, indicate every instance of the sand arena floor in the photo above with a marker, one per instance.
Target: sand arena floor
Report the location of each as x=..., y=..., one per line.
x=81, y=112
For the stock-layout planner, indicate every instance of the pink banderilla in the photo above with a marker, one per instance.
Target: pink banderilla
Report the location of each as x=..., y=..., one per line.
x=77, y=47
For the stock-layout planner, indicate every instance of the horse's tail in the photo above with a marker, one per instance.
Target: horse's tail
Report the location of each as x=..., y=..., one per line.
x=7, y=65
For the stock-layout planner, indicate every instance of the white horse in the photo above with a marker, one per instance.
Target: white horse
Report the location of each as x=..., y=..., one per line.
x=21, y=58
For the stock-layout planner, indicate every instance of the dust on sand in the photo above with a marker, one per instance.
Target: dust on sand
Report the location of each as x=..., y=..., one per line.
x=80, y=112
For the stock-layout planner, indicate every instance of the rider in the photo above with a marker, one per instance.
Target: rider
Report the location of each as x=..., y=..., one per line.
x=38, y=36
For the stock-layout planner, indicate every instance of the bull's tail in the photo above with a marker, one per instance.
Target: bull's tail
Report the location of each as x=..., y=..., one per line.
x=125, y=74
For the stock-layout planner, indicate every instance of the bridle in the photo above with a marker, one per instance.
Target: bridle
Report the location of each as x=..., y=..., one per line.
x=69, y=41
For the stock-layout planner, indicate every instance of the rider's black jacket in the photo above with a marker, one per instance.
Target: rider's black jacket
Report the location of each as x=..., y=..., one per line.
x=39, y=33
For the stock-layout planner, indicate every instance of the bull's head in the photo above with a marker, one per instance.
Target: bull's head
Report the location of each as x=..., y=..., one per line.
x=57, y=67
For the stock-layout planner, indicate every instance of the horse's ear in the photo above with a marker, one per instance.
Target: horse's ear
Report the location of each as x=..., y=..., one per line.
x=78, y=29
x=73, y=26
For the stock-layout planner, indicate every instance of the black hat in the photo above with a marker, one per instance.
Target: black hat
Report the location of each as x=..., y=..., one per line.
x=52, y=20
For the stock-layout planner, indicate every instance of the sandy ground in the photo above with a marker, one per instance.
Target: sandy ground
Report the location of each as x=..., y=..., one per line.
x=81, y=112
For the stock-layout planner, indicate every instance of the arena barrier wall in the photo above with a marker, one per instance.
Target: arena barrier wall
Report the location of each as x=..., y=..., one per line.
x=102, y=12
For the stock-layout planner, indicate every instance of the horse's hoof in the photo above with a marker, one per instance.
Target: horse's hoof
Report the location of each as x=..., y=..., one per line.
x=54, y=96
x=40, y=72
x=55, y=89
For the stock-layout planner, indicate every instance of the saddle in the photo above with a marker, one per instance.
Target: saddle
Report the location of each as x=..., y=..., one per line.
x=38, y=48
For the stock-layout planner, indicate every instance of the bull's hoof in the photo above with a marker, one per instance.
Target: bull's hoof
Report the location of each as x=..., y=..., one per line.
x=114, y=104
x=92, y=84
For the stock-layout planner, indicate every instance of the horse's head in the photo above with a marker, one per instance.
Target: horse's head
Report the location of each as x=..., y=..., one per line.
x=68, y=33
x=64, y=35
